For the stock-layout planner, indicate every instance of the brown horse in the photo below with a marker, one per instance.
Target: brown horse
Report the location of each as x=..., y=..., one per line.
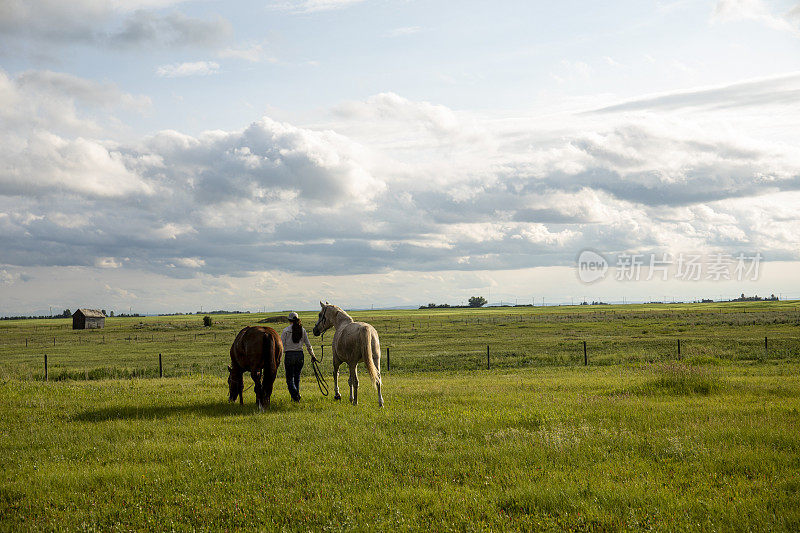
x=257, y=350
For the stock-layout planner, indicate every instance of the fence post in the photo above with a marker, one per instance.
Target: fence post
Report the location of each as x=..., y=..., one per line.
x=160, y=368
x=487, y=358
x=26, y=343
x=45, y=367
x=766, y=349
x=388, y=363
x=585, y=355
x=54, y=341
x=679, y=349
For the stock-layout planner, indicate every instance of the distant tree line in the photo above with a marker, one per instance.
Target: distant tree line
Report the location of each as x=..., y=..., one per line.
x=23, y=317
x=66, y=313
x=437, y=306
x=474, y=301
x=219, y=312
x=755, y=298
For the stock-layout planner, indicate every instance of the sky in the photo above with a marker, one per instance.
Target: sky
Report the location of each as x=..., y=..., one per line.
x=162, y=156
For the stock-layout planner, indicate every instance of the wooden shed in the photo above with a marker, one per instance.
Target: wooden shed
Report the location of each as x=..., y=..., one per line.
x=88, y=319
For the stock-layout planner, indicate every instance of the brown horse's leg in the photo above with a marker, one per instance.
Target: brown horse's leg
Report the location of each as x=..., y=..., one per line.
x=269, y=381
x=258, y=389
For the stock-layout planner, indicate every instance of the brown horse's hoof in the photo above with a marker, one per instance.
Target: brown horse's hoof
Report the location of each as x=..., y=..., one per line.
x=337, y=397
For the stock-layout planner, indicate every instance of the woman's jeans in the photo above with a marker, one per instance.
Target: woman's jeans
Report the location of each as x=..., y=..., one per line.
x=293, y=360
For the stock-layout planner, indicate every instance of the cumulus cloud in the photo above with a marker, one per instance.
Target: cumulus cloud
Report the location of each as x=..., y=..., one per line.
x=59, y=103
x=393, y=184
x=107, y=262
x=8, y=278
x=422, y=124
x=63, y=86
x=190, y=262
x=182, y=70
x=47, y=137
x=50, y=164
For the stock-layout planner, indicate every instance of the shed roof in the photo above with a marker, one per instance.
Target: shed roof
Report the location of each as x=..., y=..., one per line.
x=90, y=313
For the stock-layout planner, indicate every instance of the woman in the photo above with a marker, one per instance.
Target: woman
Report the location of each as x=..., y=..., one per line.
x=293, y=337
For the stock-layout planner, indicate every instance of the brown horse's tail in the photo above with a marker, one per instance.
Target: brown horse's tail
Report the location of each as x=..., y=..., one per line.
x=270, y=353
x=366, y=339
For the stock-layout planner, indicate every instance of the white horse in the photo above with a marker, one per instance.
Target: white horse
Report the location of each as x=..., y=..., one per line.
x=353, y=342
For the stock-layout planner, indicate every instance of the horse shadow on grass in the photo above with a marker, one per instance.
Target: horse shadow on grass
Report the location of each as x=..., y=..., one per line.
x=157, y=412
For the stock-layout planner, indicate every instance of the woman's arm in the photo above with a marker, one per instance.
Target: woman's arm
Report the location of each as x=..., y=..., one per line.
x=308, y=344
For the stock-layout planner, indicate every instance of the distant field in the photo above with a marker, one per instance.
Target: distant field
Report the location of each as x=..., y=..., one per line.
x=636, y=440
x=441, y=339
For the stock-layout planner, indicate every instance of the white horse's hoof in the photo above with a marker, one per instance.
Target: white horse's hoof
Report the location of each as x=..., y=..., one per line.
x=337, y=397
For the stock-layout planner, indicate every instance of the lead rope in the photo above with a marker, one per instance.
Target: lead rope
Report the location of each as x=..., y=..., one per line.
x=323, y=386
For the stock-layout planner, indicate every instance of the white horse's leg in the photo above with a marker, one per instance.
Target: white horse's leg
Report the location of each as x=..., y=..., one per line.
x=376, y=359
x=353, y=385
x=350, y=382
x=336, y=363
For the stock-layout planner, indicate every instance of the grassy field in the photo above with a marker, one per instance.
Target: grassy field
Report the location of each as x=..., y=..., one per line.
x=634, y=441
x=423, y=340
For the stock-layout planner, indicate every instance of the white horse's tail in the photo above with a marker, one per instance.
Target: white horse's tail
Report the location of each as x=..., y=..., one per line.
x=366, y=339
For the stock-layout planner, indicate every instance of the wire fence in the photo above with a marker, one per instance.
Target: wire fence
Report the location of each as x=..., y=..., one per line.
x=57, y=366
x=425, y=343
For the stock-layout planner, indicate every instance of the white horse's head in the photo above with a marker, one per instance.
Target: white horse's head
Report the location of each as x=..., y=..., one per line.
x=325, y=321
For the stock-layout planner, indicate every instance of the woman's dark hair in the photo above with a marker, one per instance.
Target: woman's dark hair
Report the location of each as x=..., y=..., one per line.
x=297, y=330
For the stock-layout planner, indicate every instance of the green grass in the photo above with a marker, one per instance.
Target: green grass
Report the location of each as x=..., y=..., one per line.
x=636, y=440
x=559, y=448
x=679, y=378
